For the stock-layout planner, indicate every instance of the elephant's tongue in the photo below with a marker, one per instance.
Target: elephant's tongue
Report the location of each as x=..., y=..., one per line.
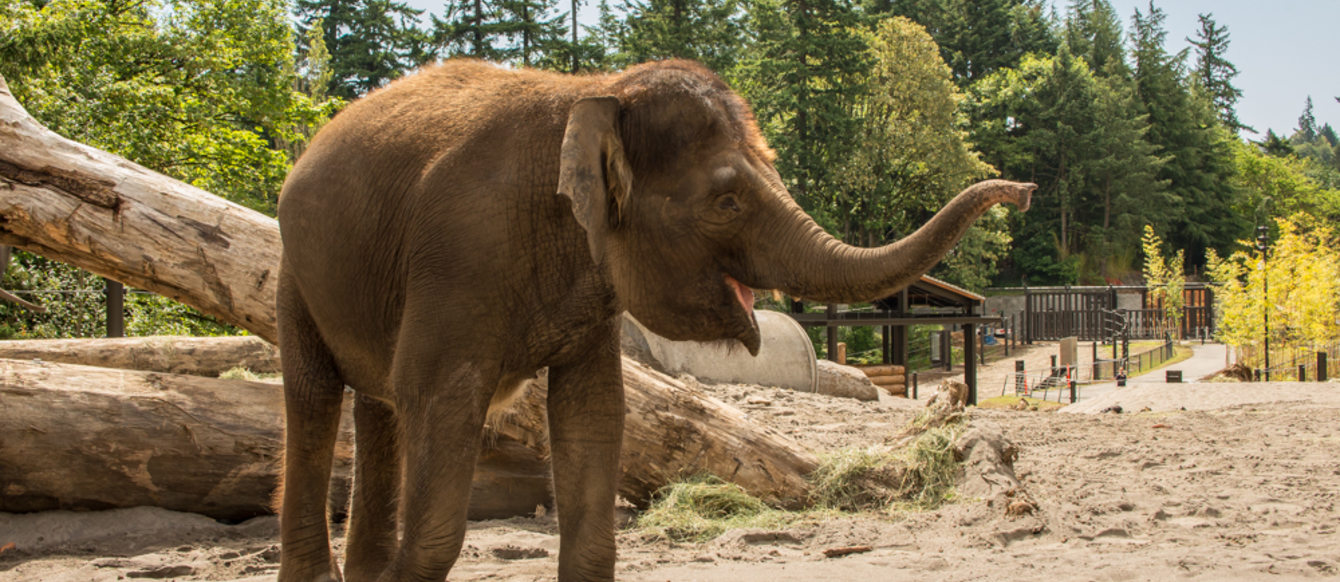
x=743, y=294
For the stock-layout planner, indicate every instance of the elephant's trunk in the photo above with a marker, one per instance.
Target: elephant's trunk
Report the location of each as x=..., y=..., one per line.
x=804, y=261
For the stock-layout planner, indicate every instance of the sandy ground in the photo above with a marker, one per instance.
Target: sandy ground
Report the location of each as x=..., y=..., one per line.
x=1242, y=485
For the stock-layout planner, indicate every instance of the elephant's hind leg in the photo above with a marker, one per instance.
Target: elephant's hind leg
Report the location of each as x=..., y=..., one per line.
x=372, y=509
x=440, y=401
x=313, y=392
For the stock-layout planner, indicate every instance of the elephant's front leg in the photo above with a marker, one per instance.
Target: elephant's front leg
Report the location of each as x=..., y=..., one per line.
x=586, y=416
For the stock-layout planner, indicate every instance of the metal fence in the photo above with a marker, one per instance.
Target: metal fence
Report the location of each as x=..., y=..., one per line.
x=1055, y=382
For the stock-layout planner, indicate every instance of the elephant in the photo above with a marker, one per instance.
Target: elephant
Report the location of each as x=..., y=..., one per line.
x=449, y=235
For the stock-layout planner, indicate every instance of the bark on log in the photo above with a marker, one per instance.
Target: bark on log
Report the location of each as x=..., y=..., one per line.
x=85, y=207
x=80, y=437
x=198, y=356
x=883, y=370
x=674, y=431
x=888, y=380
x=73, y=203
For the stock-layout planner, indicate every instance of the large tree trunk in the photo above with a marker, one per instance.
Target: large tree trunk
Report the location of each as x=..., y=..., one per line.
x=81, y=437
x=198, y=356
x=102, y=213
x=76, y=204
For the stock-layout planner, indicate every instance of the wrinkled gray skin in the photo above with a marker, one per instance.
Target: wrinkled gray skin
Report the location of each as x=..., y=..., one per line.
x=449, y=235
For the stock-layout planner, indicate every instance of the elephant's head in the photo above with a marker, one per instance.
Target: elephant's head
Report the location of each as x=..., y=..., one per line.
x=675, y=186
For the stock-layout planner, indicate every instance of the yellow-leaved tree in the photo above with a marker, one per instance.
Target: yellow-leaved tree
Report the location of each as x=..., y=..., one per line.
x=1164, y=279
x=1296, y=286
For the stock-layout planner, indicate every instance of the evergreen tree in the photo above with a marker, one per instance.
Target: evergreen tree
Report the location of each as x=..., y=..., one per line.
x=532, y=29
x=1184, y=128
x=473, y=28
x=370, y=41
x=1307, y=124
x=1215, y=73
x=976, y=37
x=911, y=154
x=1094, y=33
x=1275, y=145
x=1081, y=138
x=800, y=74
x=1316, y=145
x=570, y=51
x=710, y=32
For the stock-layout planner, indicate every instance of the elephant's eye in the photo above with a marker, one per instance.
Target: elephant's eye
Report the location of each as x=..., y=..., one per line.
x=728, y=203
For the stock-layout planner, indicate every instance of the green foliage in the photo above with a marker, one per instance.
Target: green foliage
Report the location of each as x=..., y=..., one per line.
x=709, y=32
x=806, y=61
x=976, y=37
x=370, y=41
x=1278, y=186
x=75, y=306
x=911, y=152
x=1184, y=127
x=149, y=314
x=1093, y=32
x=1080, y=138
x=200, y=90
x=522, y=32
x=1214, y=73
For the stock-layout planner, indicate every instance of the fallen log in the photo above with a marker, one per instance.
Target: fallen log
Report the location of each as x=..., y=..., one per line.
x=198, y=356
x=883, y=370
x=80, y=437
x=883, y=381
x=76, y=204
x=674, y=431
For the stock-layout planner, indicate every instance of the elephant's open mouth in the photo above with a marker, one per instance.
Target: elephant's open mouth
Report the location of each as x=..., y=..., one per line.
x=745, y=297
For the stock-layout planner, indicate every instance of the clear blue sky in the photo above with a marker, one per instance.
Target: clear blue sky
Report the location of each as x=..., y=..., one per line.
x=1285, y=50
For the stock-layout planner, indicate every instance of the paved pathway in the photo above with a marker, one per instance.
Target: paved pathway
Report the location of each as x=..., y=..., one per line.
x=1205, y=360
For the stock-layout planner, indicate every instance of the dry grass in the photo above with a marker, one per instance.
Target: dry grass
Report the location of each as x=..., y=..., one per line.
x=881, y=478
x=703, y=507
x=1011, y=402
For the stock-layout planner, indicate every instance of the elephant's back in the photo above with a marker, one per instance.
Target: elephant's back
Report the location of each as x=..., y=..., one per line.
x=419, y=163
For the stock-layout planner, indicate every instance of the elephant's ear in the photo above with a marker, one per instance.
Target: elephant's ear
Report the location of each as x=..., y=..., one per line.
x=594, y=173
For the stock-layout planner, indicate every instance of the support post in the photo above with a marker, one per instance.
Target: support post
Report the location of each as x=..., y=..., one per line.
x=1072, y=390
x=914, y=386
x=886, y=345
x=1302, y=372
x=1321, y=367
x=831, y=333
x=1097, y=372
x=1028, y=315
x=947, y=347
x=116, y=309
x=899, y=345
x=970, y=361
